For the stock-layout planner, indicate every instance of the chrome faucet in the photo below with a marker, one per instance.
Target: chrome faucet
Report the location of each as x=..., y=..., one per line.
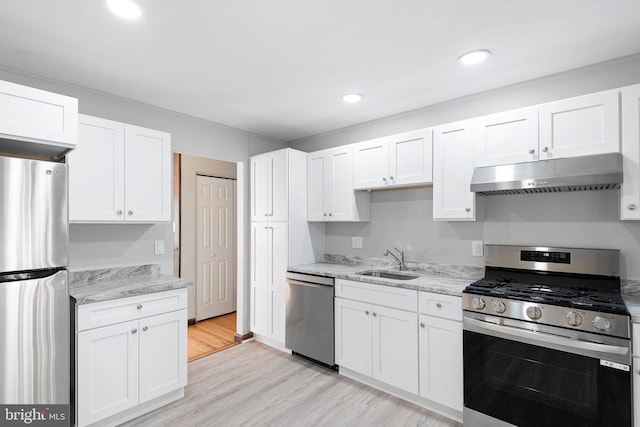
x=399, y=258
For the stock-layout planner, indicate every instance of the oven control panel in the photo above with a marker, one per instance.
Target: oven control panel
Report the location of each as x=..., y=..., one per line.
x=583, y=320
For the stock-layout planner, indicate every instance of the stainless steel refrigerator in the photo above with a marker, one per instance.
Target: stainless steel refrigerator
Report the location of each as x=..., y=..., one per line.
x=34, y=297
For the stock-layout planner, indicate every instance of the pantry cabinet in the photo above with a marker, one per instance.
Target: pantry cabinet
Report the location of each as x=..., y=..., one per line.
x=129, y=352
x=630, y=191
x=377, y=340
x=440, y=349
x=452, y=171
x=119, y=173
x=36, y=122
x=330, y=193
x=269, y=186
x=401, y=160
x=269, y=260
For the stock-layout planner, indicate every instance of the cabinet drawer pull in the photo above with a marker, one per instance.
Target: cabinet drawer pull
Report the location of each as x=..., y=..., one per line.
x=130, y=212
x=391, y=178
x=374, y=314
x=532, y=151
x=384, y=178
x=439, y=305
x=133, y=331
x=467, y=209
x=422, y=325
x=119, y=212
x=631, y=207
x=145, y=328
x=366, y=312
x=139, y=306
x=330, y=214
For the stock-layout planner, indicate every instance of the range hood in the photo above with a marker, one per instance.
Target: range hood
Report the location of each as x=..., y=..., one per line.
x=585, y=173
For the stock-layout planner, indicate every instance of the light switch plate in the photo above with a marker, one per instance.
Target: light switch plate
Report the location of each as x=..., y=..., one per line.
x=159, y=247
x=356, y=242
x=477, y=248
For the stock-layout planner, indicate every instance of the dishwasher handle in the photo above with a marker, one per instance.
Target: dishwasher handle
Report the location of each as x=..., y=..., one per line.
x=311, y=285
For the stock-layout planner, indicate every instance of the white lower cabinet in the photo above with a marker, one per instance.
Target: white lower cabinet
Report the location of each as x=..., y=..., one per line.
x=440, y=349
x=409, y=340
x=379, y=342
x=131, y=361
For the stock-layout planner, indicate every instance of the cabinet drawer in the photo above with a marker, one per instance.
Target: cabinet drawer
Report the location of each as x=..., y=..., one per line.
x=124, y=309
x=389, y=296
x=439, y=305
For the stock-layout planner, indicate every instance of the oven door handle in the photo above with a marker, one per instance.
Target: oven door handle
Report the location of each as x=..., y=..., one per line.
x=503, y=331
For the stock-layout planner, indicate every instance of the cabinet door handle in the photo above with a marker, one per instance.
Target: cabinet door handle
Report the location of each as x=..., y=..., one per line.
x=145, y=328
x=266, y=214
x=330, y=213
x=119, y=211
x=133, y=331
x=532, y=151
x=139, y=306
x=631, y=207
x=325, y=214
x=422, y=325
x=374, y=314
x=366, y=312
x=391, y=178
x=130, y=212
x=439, y=305
x=545, y=150
x=467, y=209
x=384, y=178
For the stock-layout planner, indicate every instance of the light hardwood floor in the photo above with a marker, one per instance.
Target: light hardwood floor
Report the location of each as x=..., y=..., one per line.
x=255, y=385
x=211, y=335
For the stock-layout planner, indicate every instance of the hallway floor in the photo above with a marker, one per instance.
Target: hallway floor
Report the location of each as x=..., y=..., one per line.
x=211, y=335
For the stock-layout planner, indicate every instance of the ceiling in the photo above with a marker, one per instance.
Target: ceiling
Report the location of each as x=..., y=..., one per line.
x=279, y=67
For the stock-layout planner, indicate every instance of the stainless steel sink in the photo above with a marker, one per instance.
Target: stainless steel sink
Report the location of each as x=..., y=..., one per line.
x=385, y=274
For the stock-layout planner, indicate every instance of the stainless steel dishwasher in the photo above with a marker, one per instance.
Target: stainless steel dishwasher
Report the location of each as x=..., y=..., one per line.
x=309, y=328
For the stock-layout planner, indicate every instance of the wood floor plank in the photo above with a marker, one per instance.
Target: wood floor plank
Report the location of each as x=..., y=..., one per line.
x=211, y=335
x=255, y=385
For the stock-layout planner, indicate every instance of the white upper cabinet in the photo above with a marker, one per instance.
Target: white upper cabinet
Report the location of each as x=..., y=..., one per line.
x=572, y=127
x=504, y=138
x=119, y=172
x=452, y=170
x=580, y=126
x=330, y=195
x=269, y=187
x=397, y=161
x=35, y=122
x=630, y=192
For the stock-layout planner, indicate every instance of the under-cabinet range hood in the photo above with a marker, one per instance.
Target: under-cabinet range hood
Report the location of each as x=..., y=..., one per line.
x=585, y=173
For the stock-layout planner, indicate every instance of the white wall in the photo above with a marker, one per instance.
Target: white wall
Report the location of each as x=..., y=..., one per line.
x=96, y=246
x=403, y=218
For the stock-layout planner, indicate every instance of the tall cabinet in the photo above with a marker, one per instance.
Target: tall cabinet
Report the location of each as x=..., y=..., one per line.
x=280, y=236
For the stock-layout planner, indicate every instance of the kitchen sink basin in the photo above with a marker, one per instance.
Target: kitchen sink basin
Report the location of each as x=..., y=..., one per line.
x=384, y=274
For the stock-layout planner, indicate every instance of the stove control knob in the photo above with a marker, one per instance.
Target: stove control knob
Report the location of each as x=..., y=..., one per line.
x=499, y=307
x=573, y=319
x=601, y=323
x=478, y=303
x=534, y=312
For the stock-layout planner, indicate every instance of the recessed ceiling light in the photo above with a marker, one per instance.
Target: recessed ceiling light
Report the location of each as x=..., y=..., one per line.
x=351, y=97
x=474, y=57
x=125, y=8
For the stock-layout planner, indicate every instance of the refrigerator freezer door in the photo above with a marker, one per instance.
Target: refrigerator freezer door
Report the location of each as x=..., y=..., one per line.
x=34, y=338
x=33, y=214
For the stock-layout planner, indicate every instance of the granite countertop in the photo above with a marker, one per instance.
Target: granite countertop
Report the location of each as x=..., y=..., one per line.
x=437, y=278
x=90, y=286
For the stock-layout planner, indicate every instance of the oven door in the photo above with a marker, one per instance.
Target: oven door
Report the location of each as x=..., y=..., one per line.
x=543, y=377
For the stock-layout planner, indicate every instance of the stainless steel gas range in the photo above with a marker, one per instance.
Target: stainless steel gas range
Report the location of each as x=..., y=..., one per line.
x=547, y=340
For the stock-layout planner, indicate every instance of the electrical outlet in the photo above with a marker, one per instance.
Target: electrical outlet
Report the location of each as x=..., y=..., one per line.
x=159, y=247
x=477, y=248
x=356, y=242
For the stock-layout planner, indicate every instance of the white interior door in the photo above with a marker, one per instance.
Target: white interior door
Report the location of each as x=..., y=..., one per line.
x=215, y=251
